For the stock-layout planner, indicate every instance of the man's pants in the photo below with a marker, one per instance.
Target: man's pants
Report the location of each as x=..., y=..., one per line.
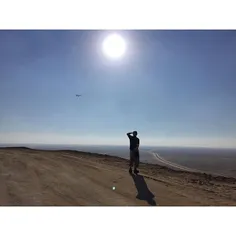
x=134, y=158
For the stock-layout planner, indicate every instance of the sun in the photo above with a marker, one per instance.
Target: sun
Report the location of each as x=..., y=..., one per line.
x=114, y=46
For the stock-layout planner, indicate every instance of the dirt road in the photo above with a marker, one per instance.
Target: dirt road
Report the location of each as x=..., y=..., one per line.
x=35, y=177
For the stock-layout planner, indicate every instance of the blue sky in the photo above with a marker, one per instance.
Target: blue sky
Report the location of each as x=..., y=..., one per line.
x=174, y=87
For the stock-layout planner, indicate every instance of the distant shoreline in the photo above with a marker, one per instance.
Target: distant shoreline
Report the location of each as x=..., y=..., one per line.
x=203, y=160
x=168, y=165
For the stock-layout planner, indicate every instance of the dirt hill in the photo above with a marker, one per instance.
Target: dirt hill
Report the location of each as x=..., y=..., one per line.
x=35, y=177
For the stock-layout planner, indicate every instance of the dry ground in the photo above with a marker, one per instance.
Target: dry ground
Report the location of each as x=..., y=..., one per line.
x=53, y=178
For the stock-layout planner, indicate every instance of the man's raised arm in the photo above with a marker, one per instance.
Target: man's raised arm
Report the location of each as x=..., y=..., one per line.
x=129, y=134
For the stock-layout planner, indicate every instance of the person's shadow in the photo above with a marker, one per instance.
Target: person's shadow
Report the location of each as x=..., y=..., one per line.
x=143, y=192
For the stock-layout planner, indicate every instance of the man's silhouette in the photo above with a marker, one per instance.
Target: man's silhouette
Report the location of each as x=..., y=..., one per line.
x=134, y=151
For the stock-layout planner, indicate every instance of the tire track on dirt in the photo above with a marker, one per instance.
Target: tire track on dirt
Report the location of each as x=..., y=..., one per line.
x=180, y=167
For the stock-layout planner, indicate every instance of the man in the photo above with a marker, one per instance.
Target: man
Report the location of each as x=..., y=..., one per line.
x=134, y=151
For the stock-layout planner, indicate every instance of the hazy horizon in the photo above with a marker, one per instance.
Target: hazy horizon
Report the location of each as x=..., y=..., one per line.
x=176, y=88
x=126, y=146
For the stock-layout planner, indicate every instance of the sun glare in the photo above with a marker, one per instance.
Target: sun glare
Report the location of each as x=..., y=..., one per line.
x=114, y=46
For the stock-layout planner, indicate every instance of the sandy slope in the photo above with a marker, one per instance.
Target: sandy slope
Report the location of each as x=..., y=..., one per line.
x=33, y=177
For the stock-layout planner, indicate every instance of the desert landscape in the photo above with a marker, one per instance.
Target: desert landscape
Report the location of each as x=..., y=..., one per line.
x=30, y=177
